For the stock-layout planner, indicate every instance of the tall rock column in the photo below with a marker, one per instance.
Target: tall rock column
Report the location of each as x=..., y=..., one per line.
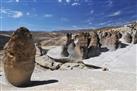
x=19, y=57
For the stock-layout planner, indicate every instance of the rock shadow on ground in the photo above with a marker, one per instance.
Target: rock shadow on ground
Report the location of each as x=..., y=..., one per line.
x=37, y=83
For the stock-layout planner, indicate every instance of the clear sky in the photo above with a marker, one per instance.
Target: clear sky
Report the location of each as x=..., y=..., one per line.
x=48, y=15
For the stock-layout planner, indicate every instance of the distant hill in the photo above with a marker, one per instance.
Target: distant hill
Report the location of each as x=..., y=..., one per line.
x=57, y=37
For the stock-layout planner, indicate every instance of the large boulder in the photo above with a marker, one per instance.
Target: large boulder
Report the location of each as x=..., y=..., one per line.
x=19, y=57
x=54, y=64
x=48, y=62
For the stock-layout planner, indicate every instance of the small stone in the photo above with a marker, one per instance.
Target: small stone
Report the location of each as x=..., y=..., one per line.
x=105, y=69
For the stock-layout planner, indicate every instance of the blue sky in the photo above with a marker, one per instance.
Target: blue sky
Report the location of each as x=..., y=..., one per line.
x=49, y=15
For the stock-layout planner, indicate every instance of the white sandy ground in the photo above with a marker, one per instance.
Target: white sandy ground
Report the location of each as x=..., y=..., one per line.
x=121, y=60
x=121, y=76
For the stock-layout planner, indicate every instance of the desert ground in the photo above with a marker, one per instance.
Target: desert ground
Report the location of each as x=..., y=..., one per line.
x=120, y=75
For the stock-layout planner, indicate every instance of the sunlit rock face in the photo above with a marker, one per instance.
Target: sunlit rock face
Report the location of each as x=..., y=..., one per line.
x=134, y=33
x=19, y=57
x=134, y=37
x=82, y=45
x=110, y=40
x=83, y=40
x=94, y=45
x=71, y=48
x=127, y=37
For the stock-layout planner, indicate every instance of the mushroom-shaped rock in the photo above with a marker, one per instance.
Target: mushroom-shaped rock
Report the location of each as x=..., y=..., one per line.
x=19, y=57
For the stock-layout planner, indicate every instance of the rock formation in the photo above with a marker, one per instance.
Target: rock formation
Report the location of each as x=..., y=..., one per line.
x=71, y=49
x=119, y=35
x=134, y=37
x=19, y=57
x=83, y=40
x=94, y=45
x=110, y=40
x=65, y=46
x=127, y=37
x=74, y=51
x=48, y=62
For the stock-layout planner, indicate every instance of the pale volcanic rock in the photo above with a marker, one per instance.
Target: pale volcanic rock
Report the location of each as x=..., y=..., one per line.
x=111, y=41
x=47, y=62
x=94, y=45
x=74, y=52
x=55, y=53
x=134, y=37
x=82, y=41
x=72, y=66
